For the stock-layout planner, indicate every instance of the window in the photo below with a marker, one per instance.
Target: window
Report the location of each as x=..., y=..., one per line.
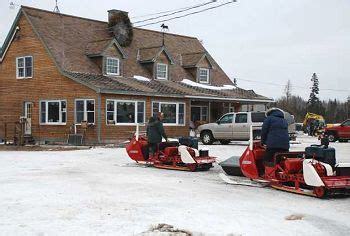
x=112, y=66
x=85, y=111
x=199, y=113
x=174, y=113
x=204, y=75
x=24, y=67
x=53, y=112
x=346, y=123
x=258, y=116
x=162, y=71
x=125, y=112
x=226, y=119
x=241, y=118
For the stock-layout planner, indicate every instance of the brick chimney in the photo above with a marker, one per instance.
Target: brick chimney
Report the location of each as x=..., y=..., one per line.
x=116, y=16
x=120, y=26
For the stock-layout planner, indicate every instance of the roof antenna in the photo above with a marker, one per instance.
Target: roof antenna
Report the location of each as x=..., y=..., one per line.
x=13, y=5
x=164, y=29
x=56, y=10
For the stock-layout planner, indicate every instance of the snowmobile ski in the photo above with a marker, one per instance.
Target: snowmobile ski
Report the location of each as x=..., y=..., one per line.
x=234, y=180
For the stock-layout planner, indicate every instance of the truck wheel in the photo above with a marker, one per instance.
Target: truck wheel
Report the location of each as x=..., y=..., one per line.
x=332, y=137
x=207, y=137
x=224, y=142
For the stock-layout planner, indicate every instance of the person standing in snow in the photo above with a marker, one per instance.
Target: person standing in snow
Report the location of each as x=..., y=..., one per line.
x=274, y=135
x=155, y=132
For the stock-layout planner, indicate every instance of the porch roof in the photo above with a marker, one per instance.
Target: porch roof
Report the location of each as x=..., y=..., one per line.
x=162, y=88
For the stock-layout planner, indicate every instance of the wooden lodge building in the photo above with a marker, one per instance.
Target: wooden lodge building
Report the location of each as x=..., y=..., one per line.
x=59, y=71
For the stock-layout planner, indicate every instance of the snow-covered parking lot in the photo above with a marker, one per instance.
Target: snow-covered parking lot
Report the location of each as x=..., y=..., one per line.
x=102, y=192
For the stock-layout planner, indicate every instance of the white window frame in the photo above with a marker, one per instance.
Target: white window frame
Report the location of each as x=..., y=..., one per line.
x=200, y=78
x=177, y=112
x=118, y=62
x=166, y=71
x=136, y=112
x=85, y=110
x=24, y=67
x=47, y=112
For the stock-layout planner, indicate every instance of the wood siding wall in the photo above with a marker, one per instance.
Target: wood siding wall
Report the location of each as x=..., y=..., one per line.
x=49, y=84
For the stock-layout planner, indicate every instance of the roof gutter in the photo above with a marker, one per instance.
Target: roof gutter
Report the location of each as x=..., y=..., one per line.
x=231, y=99
x=109, y=91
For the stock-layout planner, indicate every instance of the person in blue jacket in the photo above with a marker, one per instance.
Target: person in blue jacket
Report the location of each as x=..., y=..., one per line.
x=274, y=134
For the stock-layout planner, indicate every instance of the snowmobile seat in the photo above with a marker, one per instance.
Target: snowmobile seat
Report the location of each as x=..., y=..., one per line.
x=164, y=145
x=293, y=165
x=171, y=151
x=320, y=153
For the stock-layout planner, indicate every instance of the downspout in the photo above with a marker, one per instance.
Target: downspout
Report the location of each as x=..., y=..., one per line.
x=99, y=116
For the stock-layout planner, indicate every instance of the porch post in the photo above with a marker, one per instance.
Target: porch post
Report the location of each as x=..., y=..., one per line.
x=99, y=117
x=209, y=112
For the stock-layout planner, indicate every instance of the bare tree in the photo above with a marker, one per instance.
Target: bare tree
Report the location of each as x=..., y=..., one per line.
x=288, y=90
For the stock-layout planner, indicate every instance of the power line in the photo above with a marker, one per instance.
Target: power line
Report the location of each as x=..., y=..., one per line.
x=294, y=86
x=163, y=12
x=176, y=12
x=192, y=13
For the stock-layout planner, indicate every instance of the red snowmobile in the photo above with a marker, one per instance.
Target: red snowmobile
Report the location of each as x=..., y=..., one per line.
x=170, y=155
x=313, y=172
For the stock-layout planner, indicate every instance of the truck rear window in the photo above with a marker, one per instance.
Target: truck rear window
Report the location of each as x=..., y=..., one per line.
x=258, y=116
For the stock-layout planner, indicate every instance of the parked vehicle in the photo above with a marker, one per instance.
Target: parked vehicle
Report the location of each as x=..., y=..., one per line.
x=339, y=132
x=236, y=126
x=316, y=120
x=231, y=126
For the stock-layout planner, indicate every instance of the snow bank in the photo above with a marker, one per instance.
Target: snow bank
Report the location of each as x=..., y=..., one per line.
x=101, y=191
x=141, y=78
x=191, y=83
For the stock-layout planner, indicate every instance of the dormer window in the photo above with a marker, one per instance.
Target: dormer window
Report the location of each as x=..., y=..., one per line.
x=24, y=67
x=112, y=66
x=162, y=71
x=203, y=75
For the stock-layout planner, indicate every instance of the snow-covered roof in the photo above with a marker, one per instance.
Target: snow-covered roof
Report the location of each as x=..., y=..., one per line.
x=194, y=84
x=141, y=78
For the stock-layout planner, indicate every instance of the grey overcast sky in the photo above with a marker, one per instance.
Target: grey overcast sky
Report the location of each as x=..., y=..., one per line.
x=263, y=43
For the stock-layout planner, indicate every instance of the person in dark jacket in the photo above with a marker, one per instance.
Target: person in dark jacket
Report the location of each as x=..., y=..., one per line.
x=155, y=132
x=274, y=134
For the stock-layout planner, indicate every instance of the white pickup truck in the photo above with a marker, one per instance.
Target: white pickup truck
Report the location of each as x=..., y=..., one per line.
x=236, y=126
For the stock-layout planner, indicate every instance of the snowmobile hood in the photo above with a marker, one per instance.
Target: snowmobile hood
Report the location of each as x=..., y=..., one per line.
x=275, y=112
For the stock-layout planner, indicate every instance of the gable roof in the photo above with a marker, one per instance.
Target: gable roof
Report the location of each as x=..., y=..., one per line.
x=97, y=48
x=13, y=30
x=69, y=39
x=151, y=54
x=190, y=60
x=66, y=38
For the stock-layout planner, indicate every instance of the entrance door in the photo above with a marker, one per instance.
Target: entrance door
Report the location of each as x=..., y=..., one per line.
x=28, y=109
x=195, y=114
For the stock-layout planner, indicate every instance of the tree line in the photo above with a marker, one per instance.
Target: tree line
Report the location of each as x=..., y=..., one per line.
x=333, y=111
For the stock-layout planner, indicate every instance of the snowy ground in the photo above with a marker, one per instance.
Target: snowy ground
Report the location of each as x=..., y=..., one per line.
x=102, y=192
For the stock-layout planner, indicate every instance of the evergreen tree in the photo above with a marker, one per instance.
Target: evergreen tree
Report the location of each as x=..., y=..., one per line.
x=314, y=104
